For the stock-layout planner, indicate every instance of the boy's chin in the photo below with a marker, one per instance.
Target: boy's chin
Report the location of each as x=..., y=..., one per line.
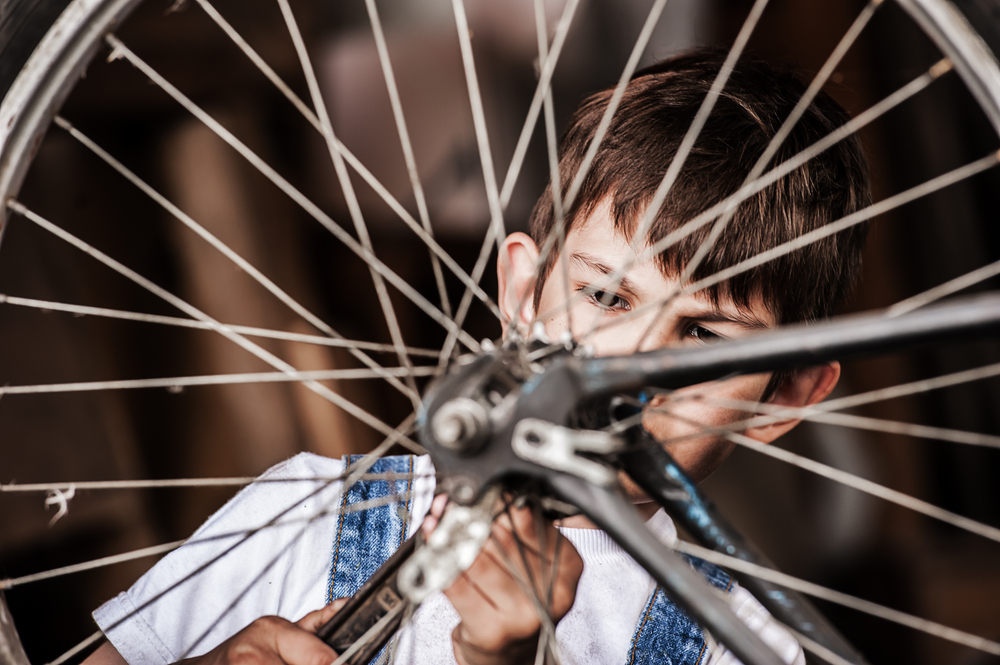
x=633, y=492
x=699, y=458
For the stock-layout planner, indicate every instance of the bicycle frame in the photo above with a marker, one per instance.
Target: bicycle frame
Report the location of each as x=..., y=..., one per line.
x=474, y=428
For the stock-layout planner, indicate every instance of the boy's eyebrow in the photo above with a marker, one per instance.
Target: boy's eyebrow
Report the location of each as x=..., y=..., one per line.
x=744, y=319
x=624, y=283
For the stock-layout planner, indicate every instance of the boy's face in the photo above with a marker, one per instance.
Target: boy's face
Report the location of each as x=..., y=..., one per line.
x=593, y=249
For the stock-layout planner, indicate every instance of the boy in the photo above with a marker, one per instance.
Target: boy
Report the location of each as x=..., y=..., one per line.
x=207, y=598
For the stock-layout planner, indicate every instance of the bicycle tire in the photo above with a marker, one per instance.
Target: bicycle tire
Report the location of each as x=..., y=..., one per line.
x=23, y=23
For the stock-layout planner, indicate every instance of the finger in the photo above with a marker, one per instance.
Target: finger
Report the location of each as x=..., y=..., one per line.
x=438, y=505
x=518, y=533
x=296, y=646
x=434, y=514
x=527, y=530
x=569, y=569
x=315, y=619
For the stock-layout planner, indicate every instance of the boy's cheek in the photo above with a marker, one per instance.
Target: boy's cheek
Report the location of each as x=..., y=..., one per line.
x=698, y=455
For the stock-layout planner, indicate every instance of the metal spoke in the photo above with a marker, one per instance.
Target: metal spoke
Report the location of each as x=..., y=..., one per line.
x=223, y=248
x=546, y=640
x=439, y=252
x=802, y=586
x=778, y=413
x=350, y=197
x=817, y=649
x=755, y=172
x=514, y=169
x=238, y=481
x=912, y=194
x=193, y=312
x=78, y=648
x=883, y=206
x=156, y=550
x=851, y=480
x=542, y=90
x=906, y=92
x=555, y=178
x=602, y=128
x=221, y=555
x=700, y=118
x=630, y=66
x=522, y=551
x=828, y=407
x=463, y=307
x=356, y=472
x=249, y=331
x=404, y=140
x=616, y=96
x=548, y=628
x=496, y=231
x=411, y=610
x=946, y=289
x=120, y=50
x=179, y=382
x=914, y=387
x=868, y=487
x=479, y=122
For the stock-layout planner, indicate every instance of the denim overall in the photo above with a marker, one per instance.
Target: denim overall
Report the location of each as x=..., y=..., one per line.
x=366, y=538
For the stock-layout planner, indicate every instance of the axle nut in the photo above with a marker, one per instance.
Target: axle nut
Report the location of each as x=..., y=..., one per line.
x=459, y=422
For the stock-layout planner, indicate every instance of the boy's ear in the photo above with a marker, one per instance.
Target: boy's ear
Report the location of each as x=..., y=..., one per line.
x=515, y=278
x=805, y=387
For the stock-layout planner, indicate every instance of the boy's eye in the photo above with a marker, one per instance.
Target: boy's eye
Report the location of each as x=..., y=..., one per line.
x=606, y=300
x=702, y=333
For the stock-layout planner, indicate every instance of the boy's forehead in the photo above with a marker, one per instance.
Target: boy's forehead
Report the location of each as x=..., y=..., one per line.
x=598, y=245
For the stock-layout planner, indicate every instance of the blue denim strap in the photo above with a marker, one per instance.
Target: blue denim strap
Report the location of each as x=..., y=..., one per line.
x=665, y=635
x=367, y=536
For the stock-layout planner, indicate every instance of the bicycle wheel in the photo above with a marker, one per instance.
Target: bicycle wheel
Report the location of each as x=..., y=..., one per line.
x=158, y=143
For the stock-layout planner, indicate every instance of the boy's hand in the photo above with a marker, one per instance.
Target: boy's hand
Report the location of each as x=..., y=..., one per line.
x=499, y=622
x=266, y=641
x=275, y=641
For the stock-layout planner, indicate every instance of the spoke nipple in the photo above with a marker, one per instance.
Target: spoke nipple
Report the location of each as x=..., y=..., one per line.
x=538, y=332
x=488, y=345
x=459, y=422
x=117, y=48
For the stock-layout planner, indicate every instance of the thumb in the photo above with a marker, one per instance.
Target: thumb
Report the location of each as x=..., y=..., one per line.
x=298, y=647
x=317, y=618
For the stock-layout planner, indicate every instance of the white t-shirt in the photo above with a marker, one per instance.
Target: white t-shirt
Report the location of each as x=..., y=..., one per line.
x=268, y=551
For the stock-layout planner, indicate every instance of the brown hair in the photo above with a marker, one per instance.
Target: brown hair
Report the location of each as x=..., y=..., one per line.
x=649, y=125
